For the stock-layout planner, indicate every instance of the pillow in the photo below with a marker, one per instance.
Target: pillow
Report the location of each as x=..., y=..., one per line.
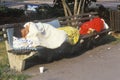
x=54, y=23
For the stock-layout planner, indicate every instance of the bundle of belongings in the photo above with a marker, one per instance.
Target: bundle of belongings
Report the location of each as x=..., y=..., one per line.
x=94, y=25
x=48, y=36
x=72, y=33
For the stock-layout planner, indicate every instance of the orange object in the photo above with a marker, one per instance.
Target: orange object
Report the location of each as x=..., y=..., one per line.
x=96, y=24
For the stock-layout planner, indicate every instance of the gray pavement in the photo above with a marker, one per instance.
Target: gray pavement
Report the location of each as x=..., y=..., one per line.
x=100, y=63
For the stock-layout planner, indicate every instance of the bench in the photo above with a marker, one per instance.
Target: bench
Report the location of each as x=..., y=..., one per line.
x=17, y=58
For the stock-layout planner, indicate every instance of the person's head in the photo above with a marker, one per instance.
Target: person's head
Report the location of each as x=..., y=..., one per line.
x=25, y=30
x=21, y=31
x=17, y=30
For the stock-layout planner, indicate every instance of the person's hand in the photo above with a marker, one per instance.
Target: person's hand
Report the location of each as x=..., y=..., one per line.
x=90, y=30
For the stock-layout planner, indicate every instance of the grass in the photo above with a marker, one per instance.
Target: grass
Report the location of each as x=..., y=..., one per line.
x=5, y=72
x=117, y=41
x=114, y=39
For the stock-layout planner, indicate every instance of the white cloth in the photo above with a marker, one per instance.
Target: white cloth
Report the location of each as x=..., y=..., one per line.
x=21, y=43
x=105, y=24
x=43, y=34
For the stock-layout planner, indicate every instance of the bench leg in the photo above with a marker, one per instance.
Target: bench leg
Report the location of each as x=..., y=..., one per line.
x=17, y=62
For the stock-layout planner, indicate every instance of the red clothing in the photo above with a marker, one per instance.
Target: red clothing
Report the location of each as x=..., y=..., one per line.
x=96, y=23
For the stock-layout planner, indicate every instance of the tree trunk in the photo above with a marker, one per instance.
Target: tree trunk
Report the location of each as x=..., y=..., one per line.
x=83, y=6
x=75, y=6
x=66, y=8
x=79, y=7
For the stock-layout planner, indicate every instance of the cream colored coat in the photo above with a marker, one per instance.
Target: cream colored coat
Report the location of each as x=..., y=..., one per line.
x=43, y=34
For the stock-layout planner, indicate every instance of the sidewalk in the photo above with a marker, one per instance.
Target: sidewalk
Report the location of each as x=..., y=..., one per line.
x=100, y=63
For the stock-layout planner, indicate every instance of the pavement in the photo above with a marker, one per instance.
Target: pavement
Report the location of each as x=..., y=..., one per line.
x=113, y=5
x=100, y=63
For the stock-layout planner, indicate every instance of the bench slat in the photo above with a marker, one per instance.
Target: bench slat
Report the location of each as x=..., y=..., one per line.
x=81, y=15
x=76, y=20
x=90, y=35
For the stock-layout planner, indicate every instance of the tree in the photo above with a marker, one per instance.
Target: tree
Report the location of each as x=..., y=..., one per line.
x=75, y=7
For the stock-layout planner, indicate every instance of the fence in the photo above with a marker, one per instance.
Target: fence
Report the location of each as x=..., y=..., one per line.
x=115, y=20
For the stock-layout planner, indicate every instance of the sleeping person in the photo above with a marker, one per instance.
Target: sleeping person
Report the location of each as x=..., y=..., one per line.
x=19, y=40
x=42, y=34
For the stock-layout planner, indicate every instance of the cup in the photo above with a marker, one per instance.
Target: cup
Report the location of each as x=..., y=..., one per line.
x=41, y=69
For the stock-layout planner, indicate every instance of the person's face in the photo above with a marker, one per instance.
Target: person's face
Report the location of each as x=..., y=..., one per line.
x=25, y=31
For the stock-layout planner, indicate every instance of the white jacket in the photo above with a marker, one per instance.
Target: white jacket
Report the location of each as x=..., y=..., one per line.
x=43, y=34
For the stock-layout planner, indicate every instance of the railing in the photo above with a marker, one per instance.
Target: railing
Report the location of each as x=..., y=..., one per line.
x=115, y=20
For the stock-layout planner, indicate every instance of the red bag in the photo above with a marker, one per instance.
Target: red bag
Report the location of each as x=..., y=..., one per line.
x=96, y=24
